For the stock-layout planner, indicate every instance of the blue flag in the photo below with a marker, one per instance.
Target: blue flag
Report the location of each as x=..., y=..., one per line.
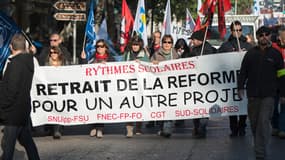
x=90, y=46
x=103, y=34
x=7, y=29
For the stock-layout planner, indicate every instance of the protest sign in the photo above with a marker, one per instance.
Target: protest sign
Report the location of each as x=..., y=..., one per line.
x=204, y=86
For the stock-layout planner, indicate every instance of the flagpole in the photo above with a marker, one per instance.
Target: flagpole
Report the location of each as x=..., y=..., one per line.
x=239, y=49
x=202, y=50
x=84, y=41
x=27, y=37
x=235, y=7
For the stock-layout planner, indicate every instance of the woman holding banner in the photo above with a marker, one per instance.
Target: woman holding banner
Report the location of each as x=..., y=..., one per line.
x=136, y=53
x=182, y=49
x=56, y=58
x=166, y=52
x=101, y=56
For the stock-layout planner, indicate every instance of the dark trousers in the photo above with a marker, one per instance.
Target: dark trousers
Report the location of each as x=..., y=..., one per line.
x=237, y=123
x=200, y=124
x=138, y=125
x=24, y=136
x=260, y=112
x=97, y=126
x=57, y=128
x=278, y=118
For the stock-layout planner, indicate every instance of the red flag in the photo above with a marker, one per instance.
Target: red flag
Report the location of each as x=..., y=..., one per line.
x=223, y=6
x=126, y=25
x=198, y=24
x=227, y=5
x=208, y=6
x=208, y=9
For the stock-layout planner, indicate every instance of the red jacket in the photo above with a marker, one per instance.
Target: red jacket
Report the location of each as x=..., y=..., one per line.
x=281, y=49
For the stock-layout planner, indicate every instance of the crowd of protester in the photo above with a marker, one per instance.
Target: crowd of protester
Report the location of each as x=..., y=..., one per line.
x=260, y=76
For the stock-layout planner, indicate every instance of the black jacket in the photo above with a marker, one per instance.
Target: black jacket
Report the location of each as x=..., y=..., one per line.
x=258, y=73
x=196, y=51
x=232, y=45
x=15, y=100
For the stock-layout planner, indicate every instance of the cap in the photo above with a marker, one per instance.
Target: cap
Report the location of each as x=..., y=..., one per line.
x=199, y=35
x=263, y=29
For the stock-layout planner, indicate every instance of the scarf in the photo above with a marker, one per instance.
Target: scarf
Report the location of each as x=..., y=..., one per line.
x=101, y=57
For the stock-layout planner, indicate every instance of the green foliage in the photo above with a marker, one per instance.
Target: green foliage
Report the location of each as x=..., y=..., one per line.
x=178, y=8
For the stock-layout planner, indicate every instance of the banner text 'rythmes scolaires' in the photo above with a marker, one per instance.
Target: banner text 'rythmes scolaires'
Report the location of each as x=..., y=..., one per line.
x=138, y=91
x=131, y=68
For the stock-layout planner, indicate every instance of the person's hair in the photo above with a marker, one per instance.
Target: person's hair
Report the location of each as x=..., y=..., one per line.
x=18, y=42
x=136, y=40
x=235, y=23
x=59, y=51
x=155, y=33
x=104, y=43
x=181, y=43
x=167, y=36
x=60, y=38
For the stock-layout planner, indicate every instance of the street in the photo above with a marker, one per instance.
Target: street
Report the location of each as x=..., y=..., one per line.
x=76, y=144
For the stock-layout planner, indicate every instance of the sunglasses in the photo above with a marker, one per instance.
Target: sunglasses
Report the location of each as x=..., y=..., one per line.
x=53, y=40
x=135, y=44
x=169, y=42
x=51, y=52
x=100, y=46
x=237, y=30
x=264, y=35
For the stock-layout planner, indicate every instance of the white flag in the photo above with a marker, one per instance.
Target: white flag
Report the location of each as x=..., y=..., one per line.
x=166, y=26
x=199, y=5
x=140, y=22
x=190, y=23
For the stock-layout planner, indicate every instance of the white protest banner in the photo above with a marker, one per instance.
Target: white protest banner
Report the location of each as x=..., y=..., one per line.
x=187, y=88
x=178, y=32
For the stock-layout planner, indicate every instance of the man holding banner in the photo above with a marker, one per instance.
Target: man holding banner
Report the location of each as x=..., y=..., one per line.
x=236, y=42
x=261, y=72
x=198, y=49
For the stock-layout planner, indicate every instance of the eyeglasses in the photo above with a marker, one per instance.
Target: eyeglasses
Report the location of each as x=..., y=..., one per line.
x=53, y=40
x=135, y=44
x=264, y=35
x=237, y=30
x=169, y=42
x=100, y=46
x=52, y=52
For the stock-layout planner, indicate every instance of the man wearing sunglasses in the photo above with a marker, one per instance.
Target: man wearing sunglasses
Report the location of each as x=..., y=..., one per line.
x=236, y=42
x=262, y=73
x=55, y=40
